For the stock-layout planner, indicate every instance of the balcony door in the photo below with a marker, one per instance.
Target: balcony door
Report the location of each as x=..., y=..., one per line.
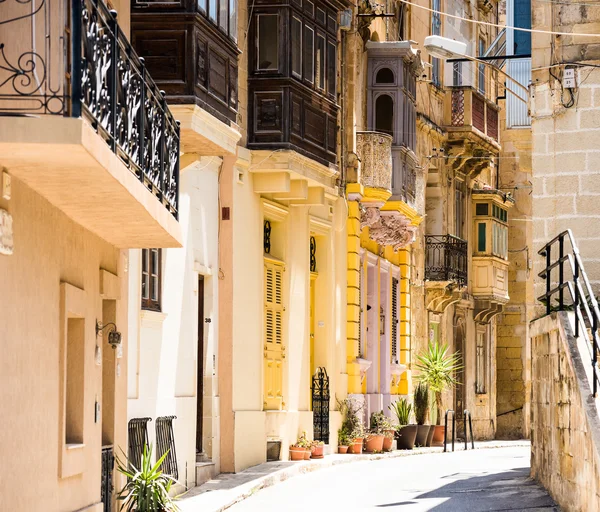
x=460, y=388
x=200, y=368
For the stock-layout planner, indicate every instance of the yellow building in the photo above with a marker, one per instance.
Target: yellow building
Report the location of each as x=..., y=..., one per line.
x=88, y=169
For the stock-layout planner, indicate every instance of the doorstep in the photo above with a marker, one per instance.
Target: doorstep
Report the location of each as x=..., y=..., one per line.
x=227, y=489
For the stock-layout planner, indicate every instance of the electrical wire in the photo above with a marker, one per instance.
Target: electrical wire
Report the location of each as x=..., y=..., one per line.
x=498, y=25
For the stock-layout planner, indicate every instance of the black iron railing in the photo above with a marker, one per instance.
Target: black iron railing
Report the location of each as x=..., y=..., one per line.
x=70, y=58
x=137, y=429
x=320, y=405
x=107, y=487
x=580, y=299
x=165, y=443
x=446, y=259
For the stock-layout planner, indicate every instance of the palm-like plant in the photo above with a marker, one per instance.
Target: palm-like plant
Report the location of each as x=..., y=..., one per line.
x=147, y=489
x=421, y=399
x=401, y=409
x=437, y=368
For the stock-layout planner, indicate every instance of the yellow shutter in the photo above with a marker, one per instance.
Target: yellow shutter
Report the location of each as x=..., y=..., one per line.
x=274, y=352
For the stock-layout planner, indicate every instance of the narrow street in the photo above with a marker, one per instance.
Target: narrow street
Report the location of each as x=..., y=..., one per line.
x=473, y=481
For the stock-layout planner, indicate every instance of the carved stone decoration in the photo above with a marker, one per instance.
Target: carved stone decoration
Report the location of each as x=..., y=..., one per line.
x=375, y=154
x=6, y=233
x=388, y=229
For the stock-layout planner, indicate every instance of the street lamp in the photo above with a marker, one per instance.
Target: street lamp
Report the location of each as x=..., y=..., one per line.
x=445, y=48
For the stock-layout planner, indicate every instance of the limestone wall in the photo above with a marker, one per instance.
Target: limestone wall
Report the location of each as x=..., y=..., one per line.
x=565, y=424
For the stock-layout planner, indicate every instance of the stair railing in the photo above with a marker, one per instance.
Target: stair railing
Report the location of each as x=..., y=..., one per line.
x=584, y=303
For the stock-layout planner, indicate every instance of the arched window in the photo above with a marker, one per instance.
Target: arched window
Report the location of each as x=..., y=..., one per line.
x=385, y=76
x=384, y=114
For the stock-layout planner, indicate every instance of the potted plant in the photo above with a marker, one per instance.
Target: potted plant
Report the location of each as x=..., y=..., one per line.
x=300, y=450
x=316, y=449
x=389, y=432
x=437, y=368
x=421, y=401
x=376, y=435
x=352, y=424
x=343, y=441
x=147, y=488
x=405, y=433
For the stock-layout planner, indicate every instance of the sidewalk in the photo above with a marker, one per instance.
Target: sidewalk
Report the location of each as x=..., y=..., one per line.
x=228, y=489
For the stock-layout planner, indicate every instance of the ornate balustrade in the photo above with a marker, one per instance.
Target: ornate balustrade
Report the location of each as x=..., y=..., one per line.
x=446, y=259
x=71, y=58
x=375, y=153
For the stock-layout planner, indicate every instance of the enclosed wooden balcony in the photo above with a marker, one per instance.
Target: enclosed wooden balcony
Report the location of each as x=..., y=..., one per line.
x=85, y=126
x=469, y=115
x=374, y=150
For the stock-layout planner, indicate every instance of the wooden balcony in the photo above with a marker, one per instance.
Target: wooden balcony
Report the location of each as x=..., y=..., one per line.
x=469, y=115
x=84, y=124
x=374, y=151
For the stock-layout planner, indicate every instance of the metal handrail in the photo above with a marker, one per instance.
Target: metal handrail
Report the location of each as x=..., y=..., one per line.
x=449, y=411
x=585, y=305
x=467, y=414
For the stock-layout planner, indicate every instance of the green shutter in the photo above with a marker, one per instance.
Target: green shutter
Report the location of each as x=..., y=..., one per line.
x=481, y=237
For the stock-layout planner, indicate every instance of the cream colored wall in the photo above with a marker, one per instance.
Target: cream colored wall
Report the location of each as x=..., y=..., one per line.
x=51, y=249
x=164, y=345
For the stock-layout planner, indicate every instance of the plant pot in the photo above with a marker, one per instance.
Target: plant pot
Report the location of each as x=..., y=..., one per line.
x=374, y=443
x=388, y=441
x=405, y=437
x=307, y=454
x=422, y=433
x=357, y=446
x=438, y=435
x=297, y=453
x=343, y=449
x=316, y=452
x=430, y=435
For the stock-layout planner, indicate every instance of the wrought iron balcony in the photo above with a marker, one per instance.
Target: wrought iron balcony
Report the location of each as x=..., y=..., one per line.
x=375, y=154
x=446, y=259
x=468, y=110
x=70, y=58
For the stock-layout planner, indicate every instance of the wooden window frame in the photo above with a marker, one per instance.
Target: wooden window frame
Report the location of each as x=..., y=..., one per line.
x=148, y=303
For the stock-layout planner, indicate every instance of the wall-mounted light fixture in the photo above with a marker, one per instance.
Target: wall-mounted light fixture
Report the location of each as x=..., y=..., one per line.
x=114, y=336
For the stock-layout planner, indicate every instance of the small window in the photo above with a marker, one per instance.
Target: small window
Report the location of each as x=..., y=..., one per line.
x=232, y=19
x=481, y=67
x=331, y=68
x=296, y=47
x=481, y=209
x=202, y=5
x=481, y=234
x=151, y=278
x=223, y=14
x=481, y=362
x=456, y=74
x=320, y=61
x=385, y=76
x=268, y=44
x=384, y=114
x=309, y=54
x=212, y=9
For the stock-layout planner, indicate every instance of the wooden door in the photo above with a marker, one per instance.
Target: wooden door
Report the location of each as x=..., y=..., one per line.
x=274, y=351
x=200, y=369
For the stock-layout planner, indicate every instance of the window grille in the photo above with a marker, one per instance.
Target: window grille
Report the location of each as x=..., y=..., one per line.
x=394, y=320
x=165, y=442
x=138, y=437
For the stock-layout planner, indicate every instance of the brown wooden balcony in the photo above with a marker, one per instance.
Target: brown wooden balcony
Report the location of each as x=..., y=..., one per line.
x=374, y=151
x=84, y=125
x=467, y=112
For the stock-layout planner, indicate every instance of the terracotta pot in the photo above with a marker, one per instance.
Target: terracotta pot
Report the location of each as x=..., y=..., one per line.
x=422, y=433
x=316, y=451
x=343, y=449
x=388, y=441
x=438, y=435
x=430, y=435
x=357, y=446
x=297, y=453
x=374, y=443
x=307, y=454
x=405, y=437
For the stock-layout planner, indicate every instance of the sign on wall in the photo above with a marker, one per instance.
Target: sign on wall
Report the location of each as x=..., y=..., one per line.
x=6, y=233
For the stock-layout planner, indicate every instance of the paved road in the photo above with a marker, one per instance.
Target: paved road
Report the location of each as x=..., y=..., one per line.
x=473, y=481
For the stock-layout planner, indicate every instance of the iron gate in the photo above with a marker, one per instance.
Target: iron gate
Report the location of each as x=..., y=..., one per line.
x=320, y=405
x=108, y=462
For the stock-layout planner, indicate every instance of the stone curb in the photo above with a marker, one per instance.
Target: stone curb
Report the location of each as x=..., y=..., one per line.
x=307, y=467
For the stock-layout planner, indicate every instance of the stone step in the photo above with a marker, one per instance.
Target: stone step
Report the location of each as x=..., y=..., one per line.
x=205, y=471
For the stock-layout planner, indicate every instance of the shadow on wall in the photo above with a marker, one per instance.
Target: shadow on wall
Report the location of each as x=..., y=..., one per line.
x=509, y=490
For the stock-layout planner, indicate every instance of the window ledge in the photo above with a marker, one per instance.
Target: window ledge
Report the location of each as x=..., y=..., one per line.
x=152, y=319
x=75, y=446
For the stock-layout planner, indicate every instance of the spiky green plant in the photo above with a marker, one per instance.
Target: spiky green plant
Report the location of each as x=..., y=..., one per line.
x=147, y=489
x=421, y=400
x=402, y=410
x=437, y=368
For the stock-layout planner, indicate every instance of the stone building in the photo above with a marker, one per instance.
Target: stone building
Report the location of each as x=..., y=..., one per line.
x=89, y=167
